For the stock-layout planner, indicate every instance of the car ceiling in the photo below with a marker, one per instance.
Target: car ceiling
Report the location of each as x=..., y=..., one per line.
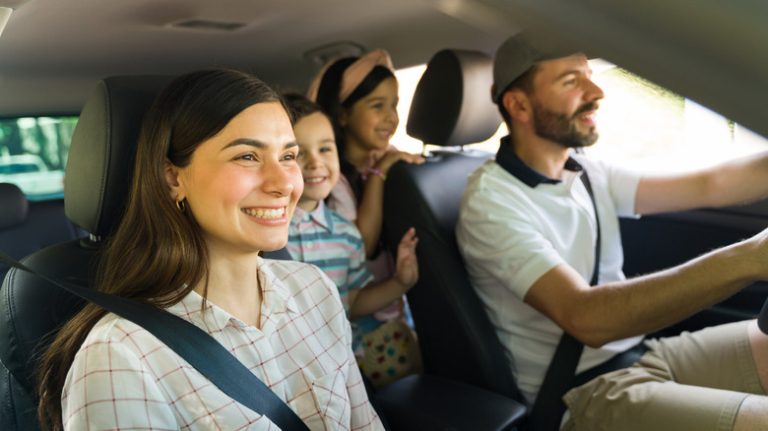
x=53, y=51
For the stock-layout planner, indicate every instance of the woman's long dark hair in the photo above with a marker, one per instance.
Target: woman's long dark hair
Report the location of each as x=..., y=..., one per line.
x=157, y=255
x=328, y=99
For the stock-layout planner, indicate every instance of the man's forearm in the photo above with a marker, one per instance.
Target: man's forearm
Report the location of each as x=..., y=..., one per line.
x=645, y=304
x=736, y=182
x=740, y=181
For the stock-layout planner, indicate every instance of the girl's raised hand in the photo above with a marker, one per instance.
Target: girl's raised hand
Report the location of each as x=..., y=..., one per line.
x=390, y=157
x=407, y=265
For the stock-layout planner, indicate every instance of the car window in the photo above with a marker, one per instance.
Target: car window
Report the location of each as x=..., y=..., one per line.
x=643, y=126
x=19, y=168
x=33, y=154
x=646, y=127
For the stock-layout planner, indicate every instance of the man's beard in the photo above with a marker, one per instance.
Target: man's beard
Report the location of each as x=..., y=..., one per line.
x=561, y=129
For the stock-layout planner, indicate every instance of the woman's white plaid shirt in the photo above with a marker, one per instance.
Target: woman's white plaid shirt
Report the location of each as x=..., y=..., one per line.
x=124, y=378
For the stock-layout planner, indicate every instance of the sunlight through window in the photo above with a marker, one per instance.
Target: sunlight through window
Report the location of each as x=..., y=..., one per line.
x=642, y=125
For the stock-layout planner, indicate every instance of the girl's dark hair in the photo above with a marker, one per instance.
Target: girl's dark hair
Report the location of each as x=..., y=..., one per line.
x=157, y=255
x=328, y=93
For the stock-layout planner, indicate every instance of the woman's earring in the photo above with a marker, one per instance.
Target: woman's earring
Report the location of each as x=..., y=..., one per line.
x=181, y=205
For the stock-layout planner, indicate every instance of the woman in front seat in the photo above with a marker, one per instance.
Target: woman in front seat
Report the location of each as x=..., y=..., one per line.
x=215, y=182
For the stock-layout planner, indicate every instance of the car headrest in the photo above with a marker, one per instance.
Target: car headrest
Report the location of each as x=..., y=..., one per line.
x=103, y=150
x=452, y=104
x=14, y=205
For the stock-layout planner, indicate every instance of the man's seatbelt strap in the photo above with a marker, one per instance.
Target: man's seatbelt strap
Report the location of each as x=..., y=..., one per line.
x=548, y=409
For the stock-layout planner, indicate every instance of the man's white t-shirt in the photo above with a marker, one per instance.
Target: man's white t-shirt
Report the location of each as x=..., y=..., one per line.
x=514, y=227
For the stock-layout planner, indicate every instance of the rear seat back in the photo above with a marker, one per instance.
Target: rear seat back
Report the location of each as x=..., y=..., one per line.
x=26, y=227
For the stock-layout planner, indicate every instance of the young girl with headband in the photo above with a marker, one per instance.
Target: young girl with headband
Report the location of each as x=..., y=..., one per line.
x=360, y=95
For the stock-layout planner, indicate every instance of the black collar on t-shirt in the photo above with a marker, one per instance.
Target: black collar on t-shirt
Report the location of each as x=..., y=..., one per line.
x=507, y=159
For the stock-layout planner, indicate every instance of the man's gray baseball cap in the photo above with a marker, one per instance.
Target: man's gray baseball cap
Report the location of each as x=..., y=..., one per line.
x=519, y=53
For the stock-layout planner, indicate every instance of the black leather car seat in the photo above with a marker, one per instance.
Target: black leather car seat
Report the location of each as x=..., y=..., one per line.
x=451, y=107
x=14, y=213
x=96, y=183
x=26, y=227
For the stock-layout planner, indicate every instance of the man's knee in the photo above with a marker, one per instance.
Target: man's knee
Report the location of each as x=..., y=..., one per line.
x=614, y=400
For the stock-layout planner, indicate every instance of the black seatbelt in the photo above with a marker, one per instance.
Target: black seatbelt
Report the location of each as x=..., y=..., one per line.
x=193, y=344
x=548, y=409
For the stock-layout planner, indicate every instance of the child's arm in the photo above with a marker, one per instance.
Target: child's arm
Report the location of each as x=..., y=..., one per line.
x=371, y=207
x=374, y=297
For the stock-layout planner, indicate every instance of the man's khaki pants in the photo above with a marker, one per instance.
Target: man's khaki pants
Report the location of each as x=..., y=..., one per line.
x=695, y=381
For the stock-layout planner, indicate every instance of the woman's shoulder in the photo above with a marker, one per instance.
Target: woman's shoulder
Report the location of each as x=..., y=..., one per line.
x=117, y=332
x=115, y=342
x=109, y=328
